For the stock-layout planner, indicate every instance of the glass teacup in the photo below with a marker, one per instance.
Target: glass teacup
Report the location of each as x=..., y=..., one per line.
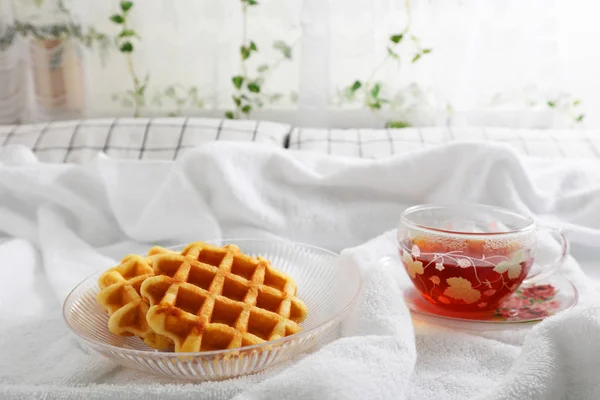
x=470, y=257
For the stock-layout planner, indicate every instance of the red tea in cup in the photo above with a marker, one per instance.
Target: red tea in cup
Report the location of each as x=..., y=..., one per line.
x=467, y=258
x=467, y=277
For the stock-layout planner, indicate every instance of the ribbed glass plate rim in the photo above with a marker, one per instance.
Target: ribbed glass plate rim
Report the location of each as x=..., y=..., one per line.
x=215, y=353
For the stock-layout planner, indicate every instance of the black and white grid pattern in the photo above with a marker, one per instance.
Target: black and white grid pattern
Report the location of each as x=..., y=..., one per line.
x=168, y=138
x=140, y=138
x=380, y=143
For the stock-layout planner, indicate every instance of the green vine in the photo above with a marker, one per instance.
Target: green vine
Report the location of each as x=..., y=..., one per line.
x=249, y=89
x=568, y=106
x=369, y=91
x=136, y=97
x=562, y=103
x=88, y=36
x=249, y=86
x=177, y=98
x=53, y=32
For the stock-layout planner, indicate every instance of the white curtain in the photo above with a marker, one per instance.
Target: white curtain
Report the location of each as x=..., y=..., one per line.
x=482, y=62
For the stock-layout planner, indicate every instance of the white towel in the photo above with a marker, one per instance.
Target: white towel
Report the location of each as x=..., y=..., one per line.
x=61, y=222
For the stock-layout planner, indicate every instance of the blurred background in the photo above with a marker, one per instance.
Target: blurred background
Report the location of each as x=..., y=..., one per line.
x=335, y=64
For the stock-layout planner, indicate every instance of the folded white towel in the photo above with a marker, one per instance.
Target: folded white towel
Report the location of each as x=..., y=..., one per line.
x=61, y=223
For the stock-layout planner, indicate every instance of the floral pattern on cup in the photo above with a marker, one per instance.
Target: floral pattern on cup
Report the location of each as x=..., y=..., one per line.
x=413, y=267
x=512, y=266
x=532, y=302
x=461, y=289
x=458, y=279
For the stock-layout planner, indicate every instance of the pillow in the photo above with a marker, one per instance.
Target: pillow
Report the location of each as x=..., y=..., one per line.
x=140, y=138
x=379, y=143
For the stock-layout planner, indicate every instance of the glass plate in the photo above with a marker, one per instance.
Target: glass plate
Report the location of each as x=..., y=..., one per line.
x=327, y=287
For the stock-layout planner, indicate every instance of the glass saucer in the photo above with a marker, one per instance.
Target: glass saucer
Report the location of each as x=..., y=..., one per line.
x=526, y=306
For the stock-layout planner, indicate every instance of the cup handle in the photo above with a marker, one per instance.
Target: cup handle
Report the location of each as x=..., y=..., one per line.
x=553, y=266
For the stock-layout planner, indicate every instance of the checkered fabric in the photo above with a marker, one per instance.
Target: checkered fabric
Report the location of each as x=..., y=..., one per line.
x=379, y=143
x=140, y=138
x=168, y=138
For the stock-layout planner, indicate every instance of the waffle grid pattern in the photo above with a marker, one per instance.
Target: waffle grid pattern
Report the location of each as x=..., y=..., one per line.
x=120, y=297
x=211, y=298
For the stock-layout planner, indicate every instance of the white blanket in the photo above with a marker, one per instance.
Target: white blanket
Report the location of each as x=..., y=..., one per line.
x=59, y=223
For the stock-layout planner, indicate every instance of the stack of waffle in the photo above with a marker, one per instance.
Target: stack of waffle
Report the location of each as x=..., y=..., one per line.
x=204, y=298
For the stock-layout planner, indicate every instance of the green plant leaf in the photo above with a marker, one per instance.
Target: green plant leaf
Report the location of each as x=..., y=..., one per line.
x=355, y=86
x=416, y=58
x=237, y=101
x=427, y=51
x=397, y=124
x=245, y=52
x=246, y=109
x=275, y=97
x=127, y=33
x=254, y=87
x=551, y=104
x=580, y=118
x=126, y=47
x=576, y=103
x=253, y=46
x=375, y=90
x=237, y=81
x=262, y=68
x=193, y=91
x=396, y=38
x=252, y=2
x=393, y=54
x=375, y=106
x=229, y=115
x=282, y=46
x=170, y=92
x=117, y=19
x=126, y=5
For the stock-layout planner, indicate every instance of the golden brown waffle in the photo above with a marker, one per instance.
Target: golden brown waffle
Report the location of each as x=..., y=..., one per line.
x=120, y=297
x=213, y=298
